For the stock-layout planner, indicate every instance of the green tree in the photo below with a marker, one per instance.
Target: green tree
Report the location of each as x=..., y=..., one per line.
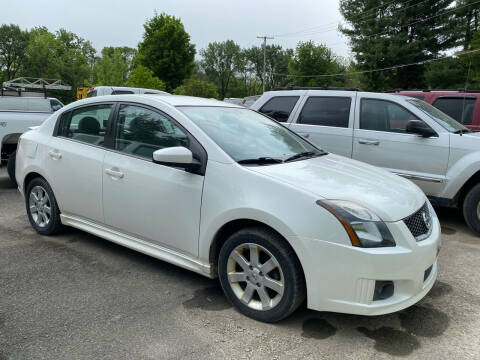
x=468, y=21
x=385, y=33
x=449, y=73
x=166, y=50
x=310, y=59
x=143, y=77
x=197, y=87
x=277, y=60
x=220, y=62
x=114, y=66
x=13, y=42
x=42, y=54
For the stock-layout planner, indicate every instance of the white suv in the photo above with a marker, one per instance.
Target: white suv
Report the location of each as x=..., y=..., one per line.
x=224, y=191
x=401, y=134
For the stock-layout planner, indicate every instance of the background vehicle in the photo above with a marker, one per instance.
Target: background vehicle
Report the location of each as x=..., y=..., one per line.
x=17, y=115
x=401, y=134
x=249, y=100
x=120, y=90
x=463, y=106
x=235, y=101
x=225, y=191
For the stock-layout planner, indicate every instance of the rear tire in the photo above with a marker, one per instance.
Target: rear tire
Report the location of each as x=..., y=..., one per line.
x=268, y=289
x=471, y=209
x=42, y=208
x=11, y=167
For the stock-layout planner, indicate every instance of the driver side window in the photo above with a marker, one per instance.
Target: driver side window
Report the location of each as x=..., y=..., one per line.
x=141, y=131
x=382, y=115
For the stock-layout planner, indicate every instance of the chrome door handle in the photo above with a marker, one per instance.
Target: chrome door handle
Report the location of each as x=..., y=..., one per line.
x=114, y=173
x=368, y=142
x=55, y=154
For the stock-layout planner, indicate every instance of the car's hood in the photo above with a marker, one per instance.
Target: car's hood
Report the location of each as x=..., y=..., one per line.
x=335, y=177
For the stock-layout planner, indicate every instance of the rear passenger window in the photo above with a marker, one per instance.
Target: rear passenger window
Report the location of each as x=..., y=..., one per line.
x=279, y=107
x=381, y=115
x=86, y=124
x=141, y=131
x=326, y=111
x=459, y=108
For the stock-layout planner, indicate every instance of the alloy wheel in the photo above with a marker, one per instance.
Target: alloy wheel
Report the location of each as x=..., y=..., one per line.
x=40, y=206
x=255, y=276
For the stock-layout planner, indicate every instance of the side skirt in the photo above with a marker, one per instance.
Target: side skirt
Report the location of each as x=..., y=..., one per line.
x=145, y=247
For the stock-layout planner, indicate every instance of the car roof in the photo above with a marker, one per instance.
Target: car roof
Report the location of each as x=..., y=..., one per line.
x=182, y=100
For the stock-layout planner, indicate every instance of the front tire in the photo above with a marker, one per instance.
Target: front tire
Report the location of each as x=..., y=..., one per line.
x=471, y=209
x=11, y=167
x=261, y=275
x=42, y=208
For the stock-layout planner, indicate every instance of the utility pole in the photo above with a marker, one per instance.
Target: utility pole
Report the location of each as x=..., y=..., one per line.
x=265, y=37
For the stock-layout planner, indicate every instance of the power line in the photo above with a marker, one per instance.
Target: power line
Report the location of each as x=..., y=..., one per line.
x=377, y=70
x=413, y=23
x=313, y=30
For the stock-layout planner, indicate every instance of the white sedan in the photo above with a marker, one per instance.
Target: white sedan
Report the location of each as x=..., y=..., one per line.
x=224, y=191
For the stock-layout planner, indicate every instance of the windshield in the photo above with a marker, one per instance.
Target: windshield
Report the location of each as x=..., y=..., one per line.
x=244, y=134
x=440, y=117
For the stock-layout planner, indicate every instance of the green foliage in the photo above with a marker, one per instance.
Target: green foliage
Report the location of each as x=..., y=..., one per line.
x=449, y=73
x=311, y=59
x=220, y=63
x=13, y=42
x=197, y=87
x=143, y=77
x=114, y=66
x=166, y=50
x=380, y=38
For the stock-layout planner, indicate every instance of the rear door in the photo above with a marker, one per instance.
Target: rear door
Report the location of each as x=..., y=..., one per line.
x=74, y=160
x=327, y=121
x=380, y=139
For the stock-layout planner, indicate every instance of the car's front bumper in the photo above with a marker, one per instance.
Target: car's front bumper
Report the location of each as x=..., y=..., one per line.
x=342, y=278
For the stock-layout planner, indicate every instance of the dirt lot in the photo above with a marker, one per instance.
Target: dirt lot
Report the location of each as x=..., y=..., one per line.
x=76, y=296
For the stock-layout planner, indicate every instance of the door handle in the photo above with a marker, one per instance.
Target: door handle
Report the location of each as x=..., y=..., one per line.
x=55, y=154
x=113, y=173
x=369, y=142
x=306, y=135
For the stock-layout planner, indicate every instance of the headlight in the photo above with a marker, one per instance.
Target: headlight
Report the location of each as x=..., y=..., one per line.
x=364, y=228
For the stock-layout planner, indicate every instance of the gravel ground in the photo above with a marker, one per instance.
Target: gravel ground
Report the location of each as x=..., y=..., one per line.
x=76, y=296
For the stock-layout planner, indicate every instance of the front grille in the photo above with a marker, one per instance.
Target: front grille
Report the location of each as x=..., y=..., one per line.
x=419, y=223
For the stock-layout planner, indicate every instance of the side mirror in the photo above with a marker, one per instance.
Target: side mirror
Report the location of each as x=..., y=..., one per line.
x=420, y=128
x=177, y=156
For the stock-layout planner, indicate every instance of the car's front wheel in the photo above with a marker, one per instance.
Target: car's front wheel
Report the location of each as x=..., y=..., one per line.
x=261, y=275
x=471, y=209
x=42, y=208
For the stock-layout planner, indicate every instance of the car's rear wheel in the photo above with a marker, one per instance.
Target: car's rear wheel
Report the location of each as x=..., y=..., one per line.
x=11, y=167
x=261, y=275
x=42, y=208
x=471, y=209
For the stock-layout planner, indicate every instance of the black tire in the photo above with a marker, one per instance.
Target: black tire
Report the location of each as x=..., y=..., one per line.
x=470, y=205
x=54, y=224
x=294, y=289
x=11, y=167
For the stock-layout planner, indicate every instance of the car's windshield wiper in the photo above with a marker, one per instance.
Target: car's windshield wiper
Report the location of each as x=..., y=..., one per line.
x=261, y=160
x=304, y=155
x=462, y=131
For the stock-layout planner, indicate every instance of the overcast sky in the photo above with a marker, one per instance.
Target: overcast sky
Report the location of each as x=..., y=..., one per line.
x=119, y=22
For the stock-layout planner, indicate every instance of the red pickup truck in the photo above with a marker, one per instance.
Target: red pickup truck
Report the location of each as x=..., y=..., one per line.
x=463, y=106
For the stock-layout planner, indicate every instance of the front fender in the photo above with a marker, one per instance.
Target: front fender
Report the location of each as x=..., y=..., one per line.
x=459, y=174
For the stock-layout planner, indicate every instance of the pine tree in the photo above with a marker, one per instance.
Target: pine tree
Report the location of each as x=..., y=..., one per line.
x=385, y=33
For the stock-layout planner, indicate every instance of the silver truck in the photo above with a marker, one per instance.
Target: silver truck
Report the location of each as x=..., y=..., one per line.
x=401, y=134
x=17, y=115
